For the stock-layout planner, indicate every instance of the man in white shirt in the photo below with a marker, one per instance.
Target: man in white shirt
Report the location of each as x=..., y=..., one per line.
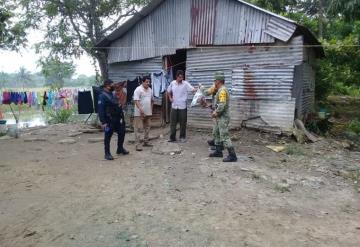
x=178, y=92
x=142, y=112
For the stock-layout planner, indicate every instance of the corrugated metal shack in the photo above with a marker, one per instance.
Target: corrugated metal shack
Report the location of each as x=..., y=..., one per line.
x=268, y=60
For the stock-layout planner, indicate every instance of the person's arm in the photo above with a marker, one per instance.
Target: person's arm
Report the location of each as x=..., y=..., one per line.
x=102, y=110
x=137, y=102
x=208, y=92
x=138, y=105
x=220, y=108
x=169, y=93
x=190, y=87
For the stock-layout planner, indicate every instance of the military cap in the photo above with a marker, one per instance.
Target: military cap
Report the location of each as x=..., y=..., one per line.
x=219, y=75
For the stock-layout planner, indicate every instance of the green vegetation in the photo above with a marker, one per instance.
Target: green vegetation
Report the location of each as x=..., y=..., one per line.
x=56, y=71
x=59, y=116
x=354, y=126
x=294, y=150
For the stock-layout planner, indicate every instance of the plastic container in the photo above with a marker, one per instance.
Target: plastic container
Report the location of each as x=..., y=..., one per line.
x=3, y=127
x=13, y=130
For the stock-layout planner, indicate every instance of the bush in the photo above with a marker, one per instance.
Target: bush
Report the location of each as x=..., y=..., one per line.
x=354, y=126
x=59, y=116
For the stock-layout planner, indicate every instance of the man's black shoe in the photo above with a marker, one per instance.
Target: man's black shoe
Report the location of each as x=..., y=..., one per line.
x=122, y=151
x=109, y=157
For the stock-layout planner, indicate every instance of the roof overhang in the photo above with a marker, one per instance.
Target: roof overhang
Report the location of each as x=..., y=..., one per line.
x=116, y=34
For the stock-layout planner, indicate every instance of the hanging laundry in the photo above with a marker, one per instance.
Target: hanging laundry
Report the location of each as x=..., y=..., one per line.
x=85, y=103
x=130, y=88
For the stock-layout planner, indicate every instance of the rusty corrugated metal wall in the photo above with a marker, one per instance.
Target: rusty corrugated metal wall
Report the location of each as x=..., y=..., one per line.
x=203, y=16
x=259, y=78
x=183, y=24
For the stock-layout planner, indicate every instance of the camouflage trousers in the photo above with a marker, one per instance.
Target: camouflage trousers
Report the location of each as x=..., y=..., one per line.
x=221, y=132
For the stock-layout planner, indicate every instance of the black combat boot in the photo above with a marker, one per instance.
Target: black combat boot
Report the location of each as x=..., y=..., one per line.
x=232, y=156
x=214, y=147
x=108, y=155
x=218, y=152
x=211, y=142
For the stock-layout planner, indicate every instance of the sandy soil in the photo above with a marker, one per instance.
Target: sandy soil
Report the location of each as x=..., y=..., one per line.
x=54, y=194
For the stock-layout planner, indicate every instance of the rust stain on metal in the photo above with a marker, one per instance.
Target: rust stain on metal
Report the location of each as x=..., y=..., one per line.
x=203, y=16
x=249, y=89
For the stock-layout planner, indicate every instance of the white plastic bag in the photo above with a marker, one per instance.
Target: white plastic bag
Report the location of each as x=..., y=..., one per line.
x=199, y=98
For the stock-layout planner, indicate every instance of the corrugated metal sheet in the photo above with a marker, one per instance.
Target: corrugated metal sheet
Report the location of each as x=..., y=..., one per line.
x=130, y=70
x=259, y=82
x=280, y=29
x=240, y=24
x=203, y=15
x=187, y=23
x=268, y=79
x=160, y=33
x=227, y=58
x=308, y=90
x=278, y=114
x=297, y=90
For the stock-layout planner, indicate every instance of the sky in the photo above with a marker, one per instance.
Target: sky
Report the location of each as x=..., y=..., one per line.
x=11, y=61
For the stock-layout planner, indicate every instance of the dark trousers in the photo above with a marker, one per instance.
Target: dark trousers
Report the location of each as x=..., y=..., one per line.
x=119, y=128
x=178, y=116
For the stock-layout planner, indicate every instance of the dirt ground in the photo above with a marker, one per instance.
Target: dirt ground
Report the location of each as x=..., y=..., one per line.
x=54, y=194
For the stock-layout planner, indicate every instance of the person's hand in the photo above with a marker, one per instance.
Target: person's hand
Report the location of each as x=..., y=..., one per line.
x=103, y=126
x=171, y=99
x=214, y=114
x=142, y=113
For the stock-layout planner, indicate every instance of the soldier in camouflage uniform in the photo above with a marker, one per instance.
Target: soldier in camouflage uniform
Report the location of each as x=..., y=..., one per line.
x=221, y=114
x=211, y=92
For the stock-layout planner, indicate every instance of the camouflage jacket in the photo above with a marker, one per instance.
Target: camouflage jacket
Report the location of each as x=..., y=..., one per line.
x=222, y=100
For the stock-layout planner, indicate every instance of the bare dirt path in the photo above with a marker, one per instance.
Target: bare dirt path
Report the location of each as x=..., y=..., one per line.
x=55, y=194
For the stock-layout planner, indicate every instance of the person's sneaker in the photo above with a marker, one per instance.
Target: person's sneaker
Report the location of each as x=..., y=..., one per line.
x=122, y=151
x=172, y=140
x=182, y=140
x=109, y=157
x=146, y=144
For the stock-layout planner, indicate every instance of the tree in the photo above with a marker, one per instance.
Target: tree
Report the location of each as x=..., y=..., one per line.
x=12, y=30
x=76, y=26
x=277, y=6
x=349, y=9
x=56, y=71
x=23, y=77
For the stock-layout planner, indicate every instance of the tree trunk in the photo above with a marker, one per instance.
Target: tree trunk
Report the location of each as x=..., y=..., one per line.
x=101, y=57
x=321, y=19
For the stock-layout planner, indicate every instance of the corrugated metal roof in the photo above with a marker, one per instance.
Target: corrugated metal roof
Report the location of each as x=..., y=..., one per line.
x=280, y=29
x=187, y=23
x=203, y=15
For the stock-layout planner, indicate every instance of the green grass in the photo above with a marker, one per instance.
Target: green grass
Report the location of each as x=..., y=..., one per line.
x=294, y=150
x=354, y=126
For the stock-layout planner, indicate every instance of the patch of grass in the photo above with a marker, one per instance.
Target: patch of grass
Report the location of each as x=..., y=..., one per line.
x=294, y=150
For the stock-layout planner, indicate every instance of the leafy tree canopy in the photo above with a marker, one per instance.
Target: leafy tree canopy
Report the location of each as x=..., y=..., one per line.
x=76, y=26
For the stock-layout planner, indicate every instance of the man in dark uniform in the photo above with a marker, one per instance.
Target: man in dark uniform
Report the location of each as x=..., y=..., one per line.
x=112, y=119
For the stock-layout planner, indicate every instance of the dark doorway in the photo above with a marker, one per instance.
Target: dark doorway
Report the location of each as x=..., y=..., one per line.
x=177, y=62
x=174, y=62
